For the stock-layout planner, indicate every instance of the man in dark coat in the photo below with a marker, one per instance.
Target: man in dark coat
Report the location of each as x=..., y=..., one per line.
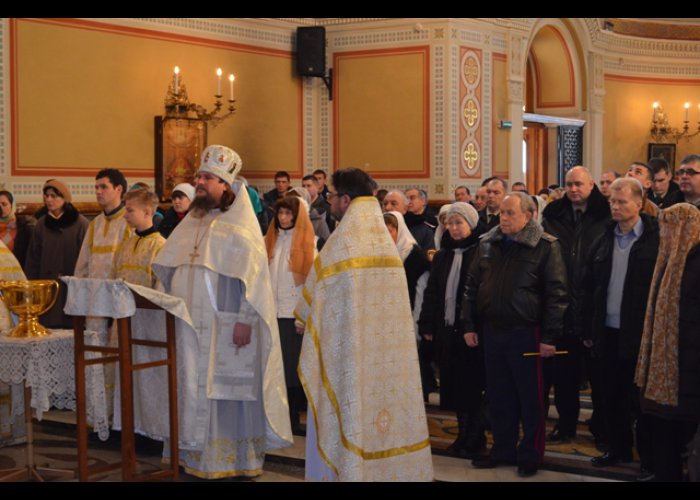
x=577, y=220
x=664, y=191
x=615, y=290
x=282, y=185
x=516, y=288
x=689, y=179
x=496, y=190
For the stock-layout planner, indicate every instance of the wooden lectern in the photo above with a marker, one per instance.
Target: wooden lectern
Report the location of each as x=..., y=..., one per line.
x=123, y=355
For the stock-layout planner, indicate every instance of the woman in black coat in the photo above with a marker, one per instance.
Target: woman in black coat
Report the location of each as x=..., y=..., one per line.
x=55, y=245
x=461, y=367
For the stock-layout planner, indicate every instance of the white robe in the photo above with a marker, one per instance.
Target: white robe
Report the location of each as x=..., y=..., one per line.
x=104, y=238
x=230, y=267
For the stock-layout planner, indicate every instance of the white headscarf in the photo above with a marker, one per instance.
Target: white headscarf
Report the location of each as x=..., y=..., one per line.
x=440, y=230
x=405, y=240
x=304, y=197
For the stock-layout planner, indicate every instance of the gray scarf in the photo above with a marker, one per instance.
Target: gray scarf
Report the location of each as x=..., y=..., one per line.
x=452, y=284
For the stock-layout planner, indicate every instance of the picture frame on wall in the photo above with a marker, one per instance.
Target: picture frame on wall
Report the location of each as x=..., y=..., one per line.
x=179, y=143
x=665, y=151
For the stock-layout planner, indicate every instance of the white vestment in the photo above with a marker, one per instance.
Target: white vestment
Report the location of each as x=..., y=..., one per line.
x=228, y=272
x=359, y=362
x=104, y=238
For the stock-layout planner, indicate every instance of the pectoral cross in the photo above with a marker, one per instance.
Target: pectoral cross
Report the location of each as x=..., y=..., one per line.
x=193, y=255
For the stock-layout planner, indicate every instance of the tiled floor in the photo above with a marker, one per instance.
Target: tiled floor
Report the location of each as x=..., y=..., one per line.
x=56, y=448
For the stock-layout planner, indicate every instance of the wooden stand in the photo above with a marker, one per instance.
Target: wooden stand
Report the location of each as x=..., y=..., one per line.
x=122, y=355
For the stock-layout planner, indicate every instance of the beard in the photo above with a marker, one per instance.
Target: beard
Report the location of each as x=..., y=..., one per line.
x=202, y=205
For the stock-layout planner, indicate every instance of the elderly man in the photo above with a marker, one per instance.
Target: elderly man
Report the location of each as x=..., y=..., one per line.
x=397, y=201
x=577, y=220
x=359, y=365
x=606, y=179
x=615, y=290
x=215, y=260
x=462, y=194
x=496, y=190
x=689, y=175
x=516, y=290
x=419, y=210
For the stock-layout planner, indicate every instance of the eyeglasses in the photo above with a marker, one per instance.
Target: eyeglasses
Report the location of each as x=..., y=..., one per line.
x=688, y=171
x=333, y=194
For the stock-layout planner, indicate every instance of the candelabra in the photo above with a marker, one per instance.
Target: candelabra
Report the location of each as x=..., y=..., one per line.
x=177, y=104
x=661, y=131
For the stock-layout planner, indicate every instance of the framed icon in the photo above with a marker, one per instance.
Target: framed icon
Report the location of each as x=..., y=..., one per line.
x=178, y=145
x=665, y=151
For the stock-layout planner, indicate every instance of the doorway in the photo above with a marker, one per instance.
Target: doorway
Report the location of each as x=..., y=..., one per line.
x=535, y=157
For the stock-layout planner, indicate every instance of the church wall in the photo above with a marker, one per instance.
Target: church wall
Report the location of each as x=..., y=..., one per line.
x=417, y=100
x=83, y=94
x=425, y=113
x=628, y=116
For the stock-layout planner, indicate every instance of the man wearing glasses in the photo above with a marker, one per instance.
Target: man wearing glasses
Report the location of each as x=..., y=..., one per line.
x=690, y=180
x=358, y=364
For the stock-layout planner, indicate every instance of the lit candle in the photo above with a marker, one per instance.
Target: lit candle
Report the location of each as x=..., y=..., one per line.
x=231, y=78
x=218, y=81
x=686, y=106
x=655, y=105
x=175, y=79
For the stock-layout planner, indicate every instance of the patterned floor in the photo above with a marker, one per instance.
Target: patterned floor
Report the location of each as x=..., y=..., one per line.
x=572, y=457
x=55, y=447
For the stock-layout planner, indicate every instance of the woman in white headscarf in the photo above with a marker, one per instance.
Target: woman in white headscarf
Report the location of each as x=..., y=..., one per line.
x=461, y=367
x=318, y=221
x=417, y=267
x=414, y=261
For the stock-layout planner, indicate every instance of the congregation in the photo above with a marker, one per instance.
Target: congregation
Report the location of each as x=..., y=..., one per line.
x=494, y=300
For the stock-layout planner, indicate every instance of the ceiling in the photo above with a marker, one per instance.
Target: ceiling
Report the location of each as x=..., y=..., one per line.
x=664, y=28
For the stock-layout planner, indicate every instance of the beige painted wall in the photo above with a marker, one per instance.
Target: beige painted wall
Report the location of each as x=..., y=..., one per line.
x=382, y=117
x=86, y=96
x=628, y=116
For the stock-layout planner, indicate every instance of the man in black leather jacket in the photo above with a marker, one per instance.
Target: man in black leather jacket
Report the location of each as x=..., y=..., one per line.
x=577, y=219
x=516, y=292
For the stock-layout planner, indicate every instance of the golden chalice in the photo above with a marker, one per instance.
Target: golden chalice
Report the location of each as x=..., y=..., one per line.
x=29, y=300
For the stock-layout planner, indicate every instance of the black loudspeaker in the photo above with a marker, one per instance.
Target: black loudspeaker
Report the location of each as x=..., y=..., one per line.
x=311, y=51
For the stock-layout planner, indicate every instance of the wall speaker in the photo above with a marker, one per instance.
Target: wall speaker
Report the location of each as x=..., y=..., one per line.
x=311, y=51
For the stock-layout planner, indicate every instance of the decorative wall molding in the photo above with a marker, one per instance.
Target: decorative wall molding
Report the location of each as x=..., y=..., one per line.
x=612, y=43
x=402, y=35
x=659, y=69
x=515, y=91
x=454, y=114
x=553, y=120
x=471, y=112
x=250, y=30
x=439, y=118
x=4, y=99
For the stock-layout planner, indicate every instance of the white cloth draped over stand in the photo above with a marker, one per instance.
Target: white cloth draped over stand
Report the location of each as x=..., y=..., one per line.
x=113, y=299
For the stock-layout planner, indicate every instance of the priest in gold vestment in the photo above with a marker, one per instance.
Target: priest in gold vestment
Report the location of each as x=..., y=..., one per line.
x=215, y=260
x=359, y=362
